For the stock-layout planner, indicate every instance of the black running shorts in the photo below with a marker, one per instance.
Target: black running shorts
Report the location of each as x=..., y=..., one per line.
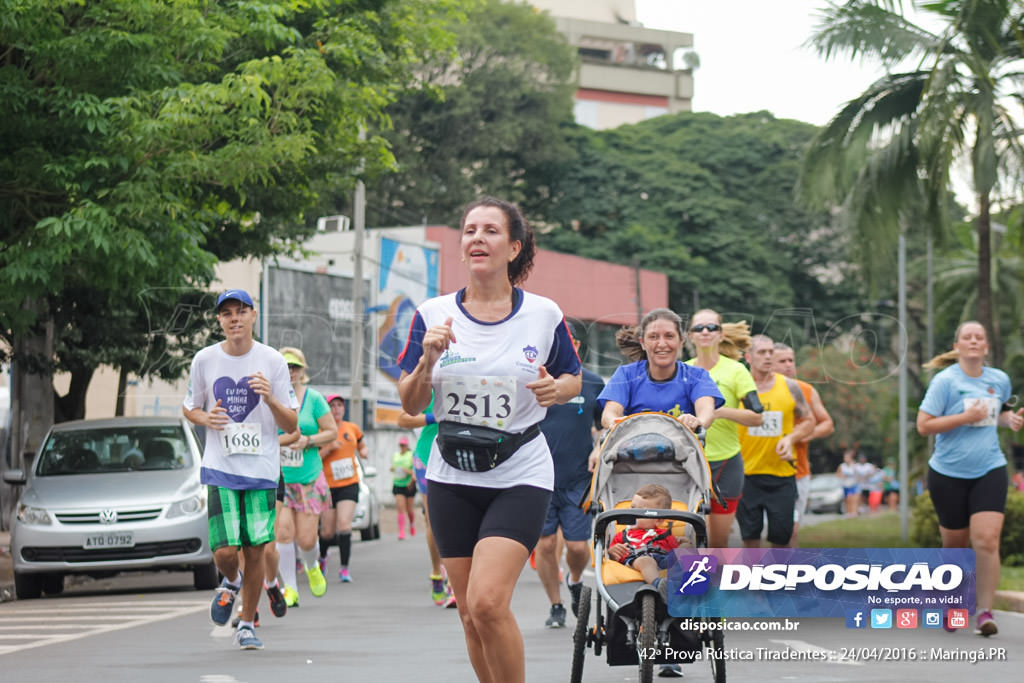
x=766, y=494
x=462, y=515
x=957, y=499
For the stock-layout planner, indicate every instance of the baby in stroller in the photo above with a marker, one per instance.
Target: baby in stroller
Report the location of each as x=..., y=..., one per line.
x=645, y=546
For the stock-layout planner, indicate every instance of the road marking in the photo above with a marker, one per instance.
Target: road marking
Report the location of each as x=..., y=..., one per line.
x=48, y=626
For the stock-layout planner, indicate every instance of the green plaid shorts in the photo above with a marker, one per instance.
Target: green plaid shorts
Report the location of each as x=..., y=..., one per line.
x=240, y=518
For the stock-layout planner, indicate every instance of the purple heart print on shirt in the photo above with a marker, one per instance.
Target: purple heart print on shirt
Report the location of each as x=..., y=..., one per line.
x=236, y=397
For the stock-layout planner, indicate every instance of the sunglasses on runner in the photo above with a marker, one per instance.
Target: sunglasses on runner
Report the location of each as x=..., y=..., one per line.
x=706, y=327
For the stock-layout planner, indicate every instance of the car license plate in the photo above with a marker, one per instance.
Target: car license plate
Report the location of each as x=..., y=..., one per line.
x=112, y=540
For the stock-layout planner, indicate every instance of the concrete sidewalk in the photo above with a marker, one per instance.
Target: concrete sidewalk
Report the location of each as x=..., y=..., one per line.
x=1012, y=601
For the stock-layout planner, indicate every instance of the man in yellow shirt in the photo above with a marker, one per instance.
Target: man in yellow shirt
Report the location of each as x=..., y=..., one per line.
x=769, y=486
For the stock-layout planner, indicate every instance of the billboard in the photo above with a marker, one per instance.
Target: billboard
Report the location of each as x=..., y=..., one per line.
x=408, y=275
x=313, y=312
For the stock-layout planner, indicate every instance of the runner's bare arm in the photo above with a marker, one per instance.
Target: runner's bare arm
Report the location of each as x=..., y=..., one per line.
x=824, y=426
x=215, y=418
x=414, y=387
x=704, y=410
x=937, y=424
x=747, y=418
x=328, y=432
x=550, y=390
x=803, y=418
x=613, y=412
x=287, y=419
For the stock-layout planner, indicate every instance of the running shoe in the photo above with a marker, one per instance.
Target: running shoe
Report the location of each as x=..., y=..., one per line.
x=533, y=559
x=574, y=591
x=344, y=576
x=557, y=617
x=412, y=528
x=401, y=534
x=317, y=582
x=449, y=602
x=986, y=624
x=247, y=640
x=291, y=597
x=437, y=589
x=322, y=563
x=278, y=605
x=223, y=603
x=670, y=671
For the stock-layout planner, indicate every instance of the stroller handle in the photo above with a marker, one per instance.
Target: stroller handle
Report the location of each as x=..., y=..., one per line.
x=631, y=515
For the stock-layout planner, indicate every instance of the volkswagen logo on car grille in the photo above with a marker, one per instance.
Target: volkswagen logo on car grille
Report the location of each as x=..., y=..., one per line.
x=108, y=516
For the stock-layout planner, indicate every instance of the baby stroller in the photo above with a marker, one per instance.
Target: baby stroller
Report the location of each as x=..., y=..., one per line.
x=642, y=449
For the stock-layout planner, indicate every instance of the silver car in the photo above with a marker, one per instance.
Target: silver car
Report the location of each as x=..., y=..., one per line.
x=366, y=519
x=826, y=494
x=106, y=496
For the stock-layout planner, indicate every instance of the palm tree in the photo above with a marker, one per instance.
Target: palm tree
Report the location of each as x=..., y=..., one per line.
x=887, y=155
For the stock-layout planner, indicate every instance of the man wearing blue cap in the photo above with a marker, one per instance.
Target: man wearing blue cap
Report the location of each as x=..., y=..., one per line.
x=240, y=391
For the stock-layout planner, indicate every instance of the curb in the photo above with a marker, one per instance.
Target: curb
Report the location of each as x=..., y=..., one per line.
x=1010, y=601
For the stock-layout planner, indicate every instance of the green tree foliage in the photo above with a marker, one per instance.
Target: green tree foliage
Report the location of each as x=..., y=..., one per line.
x=891, y=149
x=143, y=141
x=486, y=119
x=709, y=201
x=855, y=378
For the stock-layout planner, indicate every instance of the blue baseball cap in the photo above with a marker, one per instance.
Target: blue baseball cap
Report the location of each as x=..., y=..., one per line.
x=237, y=295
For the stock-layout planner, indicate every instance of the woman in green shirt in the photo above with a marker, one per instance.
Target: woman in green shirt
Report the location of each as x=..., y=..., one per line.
x=718, y=346
x=306, y=492
x=404, y=487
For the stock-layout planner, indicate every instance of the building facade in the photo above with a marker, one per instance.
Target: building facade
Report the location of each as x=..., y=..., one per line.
x=628, y=72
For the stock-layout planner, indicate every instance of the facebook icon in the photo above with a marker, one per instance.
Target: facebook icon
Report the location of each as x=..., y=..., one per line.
x=855, y=618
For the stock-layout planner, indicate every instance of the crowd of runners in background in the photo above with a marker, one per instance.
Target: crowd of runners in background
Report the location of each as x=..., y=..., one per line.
x=505, y=459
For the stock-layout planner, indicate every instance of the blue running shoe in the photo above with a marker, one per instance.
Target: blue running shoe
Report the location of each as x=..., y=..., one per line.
x=223, y=603
x=247, y=640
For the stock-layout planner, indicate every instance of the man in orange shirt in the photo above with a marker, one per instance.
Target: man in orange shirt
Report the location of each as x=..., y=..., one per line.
x=784, y=362
x=342, y=475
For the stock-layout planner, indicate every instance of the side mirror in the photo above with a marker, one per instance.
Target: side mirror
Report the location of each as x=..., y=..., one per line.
x=15, y=477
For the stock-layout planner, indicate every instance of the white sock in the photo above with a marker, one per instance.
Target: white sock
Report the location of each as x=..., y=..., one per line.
x=286, y=567
x=237, y=583
x=309, y=557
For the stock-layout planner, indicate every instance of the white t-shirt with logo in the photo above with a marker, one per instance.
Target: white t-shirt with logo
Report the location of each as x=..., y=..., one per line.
x=481, y=379
x=244, y=455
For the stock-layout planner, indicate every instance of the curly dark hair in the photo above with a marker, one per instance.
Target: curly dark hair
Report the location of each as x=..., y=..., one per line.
x=519, y=230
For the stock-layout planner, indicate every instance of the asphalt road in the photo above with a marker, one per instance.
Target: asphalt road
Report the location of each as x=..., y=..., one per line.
x=383, y=626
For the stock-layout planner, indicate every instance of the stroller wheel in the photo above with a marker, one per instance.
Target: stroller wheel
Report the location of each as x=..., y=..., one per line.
x=717, y=659
x=579, y=636
x=647, y=639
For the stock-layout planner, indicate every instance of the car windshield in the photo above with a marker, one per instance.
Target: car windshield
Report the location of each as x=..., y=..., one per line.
x=116, y=449
x=823, y=482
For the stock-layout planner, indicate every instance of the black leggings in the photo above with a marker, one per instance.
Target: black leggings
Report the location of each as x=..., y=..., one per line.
x=462, y=515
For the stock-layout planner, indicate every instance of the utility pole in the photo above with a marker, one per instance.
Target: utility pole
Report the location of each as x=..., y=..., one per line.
x=359, y=225
x=902, y=299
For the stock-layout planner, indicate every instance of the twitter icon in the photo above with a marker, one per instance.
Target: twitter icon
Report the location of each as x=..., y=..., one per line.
x=881, y=618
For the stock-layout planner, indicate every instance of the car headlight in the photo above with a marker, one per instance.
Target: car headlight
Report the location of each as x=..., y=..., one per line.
x=190, y=506
x=30, y=515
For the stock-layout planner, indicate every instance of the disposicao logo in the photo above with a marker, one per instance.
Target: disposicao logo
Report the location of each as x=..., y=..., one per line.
x=697, y=573
x=827, y=582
